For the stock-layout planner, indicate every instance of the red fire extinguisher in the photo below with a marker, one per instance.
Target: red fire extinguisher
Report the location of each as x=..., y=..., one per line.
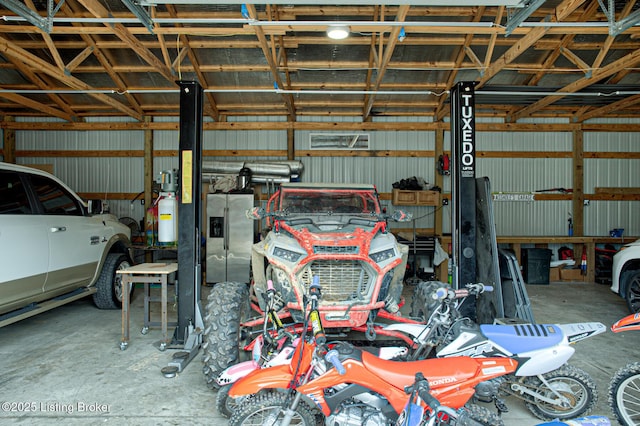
x=443, y=165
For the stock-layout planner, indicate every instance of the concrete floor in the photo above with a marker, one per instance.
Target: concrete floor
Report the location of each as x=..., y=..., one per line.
x=65, y=366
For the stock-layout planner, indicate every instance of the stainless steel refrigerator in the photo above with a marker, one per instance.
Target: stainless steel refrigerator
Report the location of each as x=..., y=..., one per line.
x=229, y=237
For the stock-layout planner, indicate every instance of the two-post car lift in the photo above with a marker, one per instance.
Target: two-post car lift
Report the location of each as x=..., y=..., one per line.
x=474, y=247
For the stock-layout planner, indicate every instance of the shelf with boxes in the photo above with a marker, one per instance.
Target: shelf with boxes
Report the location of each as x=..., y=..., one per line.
x=401, y=197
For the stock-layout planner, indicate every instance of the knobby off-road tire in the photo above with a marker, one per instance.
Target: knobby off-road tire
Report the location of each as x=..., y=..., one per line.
x=109, y=284
x=571, y=382
x=227, y=307
x=632, y=289
x=270, y=405
x=423, y=305
x=624, y=394
x=224, y=404
x=480, y=415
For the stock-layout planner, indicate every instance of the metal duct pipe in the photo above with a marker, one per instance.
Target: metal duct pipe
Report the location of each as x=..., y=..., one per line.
x=277, y=168
x=269, y=169
x=296, y=166
x=208, y=178
x=225, y=167
x=271, y=179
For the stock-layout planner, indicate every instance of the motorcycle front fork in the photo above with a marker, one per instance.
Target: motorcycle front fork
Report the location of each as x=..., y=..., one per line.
x=291, y=410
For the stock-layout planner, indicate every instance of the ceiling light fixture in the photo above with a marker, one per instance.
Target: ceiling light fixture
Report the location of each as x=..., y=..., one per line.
x=338, y=32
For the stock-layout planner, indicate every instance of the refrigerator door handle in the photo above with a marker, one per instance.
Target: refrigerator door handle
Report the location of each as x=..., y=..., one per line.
x=226, y=228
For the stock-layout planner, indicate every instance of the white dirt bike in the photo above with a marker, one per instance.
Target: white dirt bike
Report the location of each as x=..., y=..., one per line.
x=550, y=388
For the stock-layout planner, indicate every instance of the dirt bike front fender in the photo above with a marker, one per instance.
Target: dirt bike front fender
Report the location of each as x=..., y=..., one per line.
x=630, y=322
x=278, y=377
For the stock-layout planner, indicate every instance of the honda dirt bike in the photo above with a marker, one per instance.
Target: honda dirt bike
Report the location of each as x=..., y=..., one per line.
x=273, y=347
x=624, y=388
x=349, y=386
x=550, y=388
x=415, y=414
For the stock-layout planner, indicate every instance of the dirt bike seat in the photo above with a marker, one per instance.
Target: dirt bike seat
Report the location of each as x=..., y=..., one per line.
x=438, y=371
x=521, y=338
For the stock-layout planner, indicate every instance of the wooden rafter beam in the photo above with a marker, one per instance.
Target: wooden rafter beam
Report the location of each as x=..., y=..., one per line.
x=123, y=33
x=29, y=74
x=212, y=110
x=609, y=41
x=440, y=112
x=80, y=57
x=294, y=41
x=524, y=68
x=493, y=39
x=386, y=58
x=264, y=45
x=561, y=12
x=374, y=57
x=278, y=49
x=68, y=8
x=614, y=106
x=161, y=41
x=47, y=39
x=283, y=29
x=632, y=59
x=9, y=49
x=182, y=53
x=30, y=103
x=575, y=60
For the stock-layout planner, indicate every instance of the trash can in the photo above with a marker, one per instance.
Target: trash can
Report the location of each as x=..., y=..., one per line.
x=535, y=265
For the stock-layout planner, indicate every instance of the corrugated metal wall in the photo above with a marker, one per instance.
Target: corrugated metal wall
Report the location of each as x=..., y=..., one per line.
x=125, y=174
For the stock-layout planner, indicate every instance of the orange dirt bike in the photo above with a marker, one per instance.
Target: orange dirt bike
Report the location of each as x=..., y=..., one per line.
x=349, y=386
x=624, y=388
x=273, y=347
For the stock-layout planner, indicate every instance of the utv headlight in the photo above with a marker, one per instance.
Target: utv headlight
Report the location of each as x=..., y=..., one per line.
x=288, y=255
x=383, y=255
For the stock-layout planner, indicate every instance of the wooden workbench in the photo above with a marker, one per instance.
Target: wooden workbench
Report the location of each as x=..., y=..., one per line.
x=515, y=244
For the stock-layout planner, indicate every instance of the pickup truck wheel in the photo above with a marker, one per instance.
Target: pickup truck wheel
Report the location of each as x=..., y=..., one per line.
x=632, y=292
x=109, y=284
x=227, y=308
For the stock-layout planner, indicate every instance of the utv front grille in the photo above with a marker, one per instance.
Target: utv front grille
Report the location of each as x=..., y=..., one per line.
x=335, y=249
x=340, y=280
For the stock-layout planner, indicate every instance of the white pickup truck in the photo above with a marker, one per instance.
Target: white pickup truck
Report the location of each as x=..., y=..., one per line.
x=625, y=275
x=52, y=249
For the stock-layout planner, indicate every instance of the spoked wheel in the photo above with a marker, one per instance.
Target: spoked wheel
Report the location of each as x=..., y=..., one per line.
x=624, y=394
x=575, y=386
x=268, y=409
x=224, y=403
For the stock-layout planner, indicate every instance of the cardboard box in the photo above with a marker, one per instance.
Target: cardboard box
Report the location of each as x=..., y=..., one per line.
x=571, y=274
x=401, y=197
x=554, y=273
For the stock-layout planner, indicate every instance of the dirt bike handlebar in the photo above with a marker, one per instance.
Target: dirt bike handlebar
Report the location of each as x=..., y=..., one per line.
x=334, y=358
x=444, y=293
x=421, y=387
